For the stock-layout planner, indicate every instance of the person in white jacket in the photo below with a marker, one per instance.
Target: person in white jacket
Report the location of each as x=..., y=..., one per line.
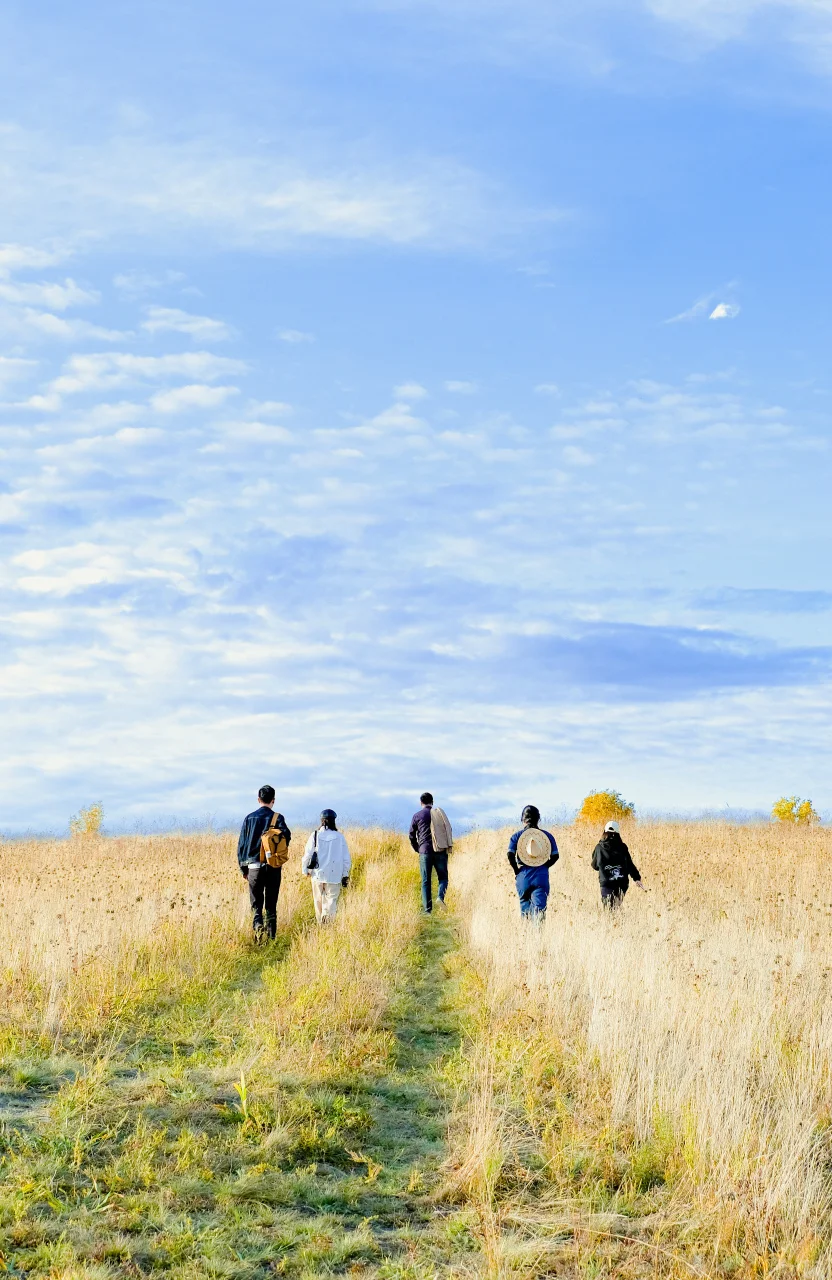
x=327, y=860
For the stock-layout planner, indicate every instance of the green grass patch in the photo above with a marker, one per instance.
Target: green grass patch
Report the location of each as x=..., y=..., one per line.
x=210, y=1122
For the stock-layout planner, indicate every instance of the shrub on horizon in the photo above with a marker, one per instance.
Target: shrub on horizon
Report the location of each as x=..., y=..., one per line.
x=605, y=806
x=793, y=809
x=88, y=821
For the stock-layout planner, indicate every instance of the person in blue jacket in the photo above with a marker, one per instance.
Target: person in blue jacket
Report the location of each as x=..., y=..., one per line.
x=263, y=880
x=530, y=861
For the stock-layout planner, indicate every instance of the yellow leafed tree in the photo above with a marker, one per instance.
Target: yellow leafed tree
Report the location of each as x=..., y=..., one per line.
x=605, y=806
x=88, y=821
x=793, y=809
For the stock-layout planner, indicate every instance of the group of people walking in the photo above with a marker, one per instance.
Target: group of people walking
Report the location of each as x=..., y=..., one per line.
x=262, y=851
x=532, y=851
x=263, y=848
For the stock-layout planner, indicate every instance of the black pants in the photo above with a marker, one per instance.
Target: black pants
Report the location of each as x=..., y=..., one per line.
x=612, y=895
x=428, y=863
x=263, y=891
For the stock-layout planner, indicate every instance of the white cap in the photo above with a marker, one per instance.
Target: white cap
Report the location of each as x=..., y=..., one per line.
x=612, y=826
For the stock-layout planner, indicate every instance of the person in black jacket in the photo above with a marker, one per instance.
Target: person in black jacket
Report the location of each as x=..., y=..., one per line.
x=611, y=859
x=263, y=880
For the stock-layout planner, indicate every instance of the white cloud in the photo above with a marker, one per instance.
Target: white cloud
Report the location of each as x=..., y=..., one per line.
x=703, y=306
x=14, y=367
x=547, y=389
x=62, y=570
x=113, y=414
x=295, y=335
x=397, y=415
x=410, y=391
x=17, y=257
x=46, y=325
x=178, y=588
x=135, y=284
x=57, y=297
x=137, y=435
x=194, y=396
x=48, y=402
x=31, y=305
x=461, y=388
x=229, y=192
x=112, y=369
x=172, y=320
x=268, y=408
x=724, y=311
x=507, y=30
x=719, y=375
x=721, y=20
x=252, y=431
x=109, y=444
x=698, y=311
x=577, y=457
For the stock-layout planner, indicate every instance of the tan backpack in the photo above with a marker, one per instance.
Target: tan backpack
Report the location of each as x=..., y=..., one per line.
x=273, y=847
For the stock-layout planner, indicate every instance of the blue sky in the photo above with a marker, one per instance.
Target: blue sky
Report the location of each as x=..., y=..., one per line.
x=405, y=394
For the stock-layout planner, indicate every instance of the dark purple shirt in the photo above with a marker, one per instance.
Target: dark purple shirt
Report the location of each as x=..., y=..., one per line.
x=420, y=833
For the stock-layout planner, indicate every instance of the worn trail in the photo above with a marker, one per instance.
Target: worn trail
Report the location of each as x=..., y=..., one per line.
x=164, y=1154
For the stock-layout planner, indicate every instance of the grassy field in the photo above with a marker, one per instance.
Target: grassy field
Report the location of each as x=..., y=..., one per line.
x=647, y=1094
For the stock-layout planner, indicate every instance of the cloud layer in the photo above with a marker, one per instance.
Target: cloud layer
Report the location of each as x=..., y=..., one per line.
x=343, y=443
x=211, y=189
x=203, y=585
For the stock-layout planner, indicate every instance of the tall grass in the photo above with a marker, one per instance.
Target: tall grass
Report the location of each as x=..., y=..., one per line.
x=64, y=901
x=95, y=927
x=671, y=1063
x=177, y=1099
x=644, y=1093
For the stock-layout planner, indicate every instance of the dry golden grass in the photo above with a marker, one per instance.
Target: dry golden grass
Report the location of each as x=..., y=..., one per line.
x=65, y=901
x=177, y=1100
x=327, y=1006
x=91, y=923
x=647, y=1093
x=671, y=1063
x=68, y=900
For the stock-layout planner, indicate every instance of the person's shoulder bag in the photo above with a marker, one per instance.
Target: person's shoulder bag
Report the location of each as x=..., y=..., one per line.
x=313, y=861
x=273, y=847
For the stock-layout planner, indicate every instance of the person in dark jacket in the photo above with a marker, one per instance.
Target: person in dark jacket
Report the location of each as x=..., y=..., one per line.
x=430, y=858
x=530, y=862
x=611, y=859
x=263, y=880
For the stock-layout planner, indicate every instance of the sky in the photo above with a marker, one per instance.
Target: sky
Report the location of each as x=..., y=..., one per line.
x=398, y=394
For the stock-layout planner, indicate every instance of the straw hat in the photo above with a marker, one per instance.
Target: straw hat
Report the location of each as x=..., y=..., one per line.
x=533, y=847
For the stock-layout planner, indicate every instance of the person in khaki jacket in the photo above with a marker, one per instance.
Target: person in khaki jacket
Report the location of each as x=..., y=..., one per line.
x=432, y=838
x=440, y=830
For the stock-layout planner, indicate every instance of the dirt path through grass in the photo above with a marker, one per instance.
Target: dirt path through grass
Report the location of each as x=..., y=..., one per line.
x=260, y=1122
x=410, y=1111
